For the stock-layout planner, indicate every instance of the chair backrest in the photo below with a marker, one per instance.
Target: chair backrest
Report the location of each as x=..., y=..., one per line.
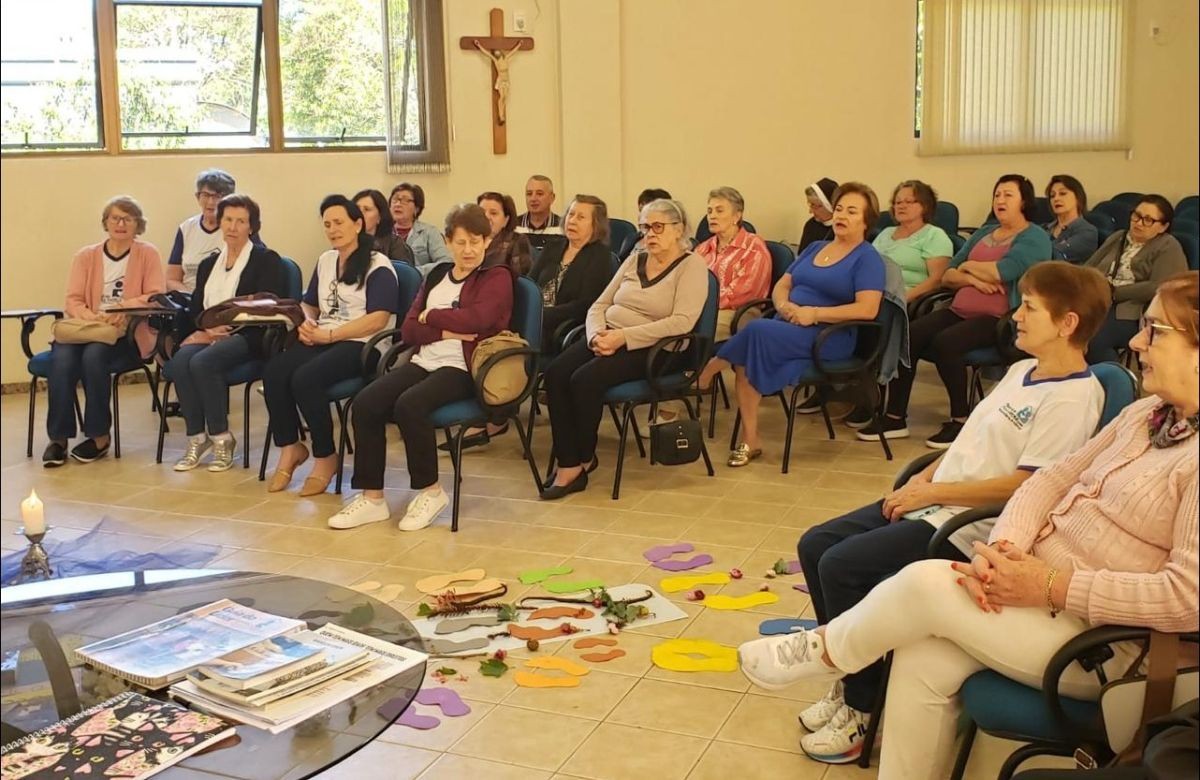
x=295, y=279
x=619, y=231
x=1189, y=206
x=703, y=233
x=527, y=311
x=1104, y=222
x=1131, y=198
x=614, y=264
x=707, y=324
x=782, y=258
x=1191, y=249
x=1120, y=389
x=1041, y=211
x=1189, y=226
x=408, y=279
x=945, y=216
x=886, y=220
x=1118, y=210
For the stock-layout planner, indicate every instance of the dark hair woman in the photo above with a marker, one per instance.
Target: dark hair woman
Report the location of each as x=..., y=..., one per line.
x=1074, y=238
x=507, y=247
x=377, y=219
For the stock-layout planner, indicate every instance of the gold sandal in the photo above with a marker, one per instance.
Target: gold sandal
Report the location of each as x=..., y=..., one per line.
x=742, y=455
x=281, y=479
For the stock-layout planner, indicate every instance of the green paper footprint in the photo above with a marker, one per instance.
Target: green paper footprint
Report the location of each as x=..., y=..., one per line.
x=573, y=587
x=534, y=576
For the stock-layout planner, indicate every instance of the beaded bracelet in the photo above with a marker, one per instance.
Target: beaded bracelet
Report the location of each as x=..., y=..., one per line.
x=1049, y=591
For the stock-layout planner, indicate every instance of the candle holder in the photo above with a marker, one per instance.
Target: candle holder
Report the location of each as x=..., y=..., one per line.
x=36, y=563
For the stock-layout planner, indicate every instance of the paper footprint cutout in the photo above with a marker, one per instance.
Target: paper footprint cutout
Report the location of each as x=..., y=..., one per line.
x=802, y=587
x=689, y=581
x=593, y=641
x=366, y=586
x=454, y=625
x=537, y=632
x=785, y=626
x=415, y=720
x=559, y=663
x=793, y=567
x=573, y=587
x=446, y=699
x=447, y=646
x=664, y=551
x=679, y=655
x=608, y=655
x=530, y=680
x=442, y=582
x=720, y=601
x=534, y=576
x=580, y=613
x=703, y=559
x=473, y=589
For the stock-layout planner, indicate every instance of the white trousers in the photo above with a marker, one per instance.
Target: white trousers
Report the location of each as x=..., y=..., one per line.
x=940, y=638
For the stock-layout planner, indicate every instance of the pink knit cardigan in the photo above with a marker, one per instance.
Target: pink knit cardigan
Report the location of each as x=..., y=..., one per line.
x=143, y=278
x=1124, y=515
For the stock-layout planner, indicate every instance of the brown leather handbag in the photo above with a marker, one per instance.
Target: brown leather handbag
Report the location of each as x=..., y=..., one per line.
x=256, y=308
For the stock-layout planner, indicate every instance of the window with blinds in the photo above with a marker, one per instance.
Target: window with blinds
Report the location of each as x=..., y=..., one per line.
x=1024, y=75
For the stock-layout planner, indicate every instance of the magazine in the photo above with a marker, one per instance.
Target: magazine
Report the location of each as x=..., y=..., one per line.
x=156, y=655
x=129, y=736
x=260, y=665
x=386, y=661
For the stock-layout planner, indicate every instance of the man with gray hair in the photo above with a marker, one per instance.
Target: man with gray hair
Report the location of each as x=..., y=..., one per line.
x=539, y=223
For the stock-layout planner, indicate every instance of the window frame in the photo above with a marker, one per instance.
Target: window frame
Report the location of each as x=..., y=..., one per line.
x=109, y=109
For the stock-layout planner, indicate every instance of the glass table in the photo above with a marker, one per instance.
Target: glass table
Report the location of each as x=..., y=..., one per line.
x=44, y=621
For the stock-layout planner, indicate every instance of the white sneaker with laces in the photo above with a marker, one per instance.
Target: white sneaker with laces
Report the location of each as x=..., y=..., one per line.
x=840, y=741
x=424, y=509
x=775, y=662
x=360, y=511
x=816, y=716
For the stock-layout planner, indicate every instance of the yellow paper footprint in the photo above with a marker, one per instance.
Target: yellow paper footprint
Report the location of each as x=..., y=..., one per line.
x=740, y=602
x=685, y=581
x=530, y=680
x=680, y=655
x=555, y=662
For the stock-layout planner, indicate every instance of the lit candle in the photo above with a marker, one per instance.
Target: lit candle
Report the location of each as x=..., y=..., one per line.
x=32, y=515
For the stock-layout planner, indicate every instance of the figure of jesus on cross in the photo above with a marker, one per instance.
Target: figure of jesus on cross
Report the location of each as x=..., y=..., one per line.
x=500, y=50
x=500, y=63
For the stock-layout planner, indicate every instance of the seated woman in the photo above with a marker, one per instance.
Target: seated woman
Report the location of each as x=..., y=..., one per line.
x=738, y=258
x=1072, y=237
x=573, y=274
x=1135, y=261
x=198, y=236
x=351, y=296
x=406, y=204
x=1066, y=555
x=920, y=248
x=198, y=369
x=378, y=220
x=656, y=294
x=985, y=274
x=121, y=270
x=831, y=281
x=507, y=247
x=459, y=305
x=1060, y=402
x=819, y=226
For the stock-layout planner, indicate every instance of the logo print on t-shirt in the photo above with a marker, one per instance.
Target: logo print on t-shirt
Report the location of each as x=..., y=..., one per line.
x=1018, y=417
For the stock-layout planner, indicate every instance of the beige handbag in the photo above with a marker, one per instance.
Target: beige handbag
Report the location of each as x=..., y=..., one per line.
x=72, y=330
x=505, y=381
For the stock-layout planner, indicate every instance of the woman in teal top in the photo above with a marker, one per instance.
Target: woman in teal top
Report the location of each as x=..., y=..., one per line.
x=922, y=250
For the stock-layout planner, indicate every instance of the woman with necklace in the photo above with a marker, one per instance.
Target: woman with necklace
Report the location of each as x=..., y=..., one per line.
x=831, y=281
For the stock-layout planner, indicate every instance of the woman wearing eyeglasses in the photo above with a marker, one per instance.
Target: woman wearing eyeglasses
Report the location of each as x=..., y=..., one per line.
x=1106, y=536
x=1135, y=262
x=198, y=236
x=656, y=293
x=121, y=270
x=406, y=204
x=352, y=295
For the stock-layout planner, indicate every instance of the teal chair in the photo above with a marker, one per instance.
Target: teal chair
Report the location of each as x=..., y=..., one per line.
x=1130, y=198
x=703, y=233
x=620, y=232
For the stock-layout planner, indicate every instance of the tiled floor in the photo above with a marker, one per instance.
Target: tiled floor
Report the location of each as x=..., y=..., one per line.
x=628, y=719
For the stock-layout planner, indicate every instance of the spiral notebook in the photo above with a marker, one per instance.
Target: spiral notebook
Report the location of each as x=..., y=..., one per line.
x=129, y=736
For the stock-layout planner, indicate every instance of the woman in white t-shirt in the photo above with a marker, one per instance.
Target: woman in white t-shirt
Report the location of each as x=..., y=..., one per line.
x=352, y=295
x=1040, y=412
x=199, y=236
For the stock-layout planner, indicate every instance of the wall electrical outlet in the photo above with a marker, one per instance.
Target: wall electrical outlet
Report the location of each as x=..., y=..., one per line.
x=520, y=22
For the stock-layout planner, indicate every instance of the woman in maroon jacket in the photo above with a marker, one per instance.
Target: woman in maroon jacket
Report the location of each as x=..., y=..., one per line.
x=459, y=305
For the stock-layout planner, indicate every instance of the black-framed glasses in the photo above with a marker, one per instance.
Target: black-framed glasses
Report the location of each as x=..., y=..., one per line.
x=1137, y=218
x=206, y=195
x=1153, y=326
x=654, y=227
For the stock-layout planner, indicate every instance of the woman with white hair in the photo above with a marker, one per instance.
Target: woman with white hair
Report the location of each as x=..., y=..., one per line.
x=657, y=293
x=739, y=259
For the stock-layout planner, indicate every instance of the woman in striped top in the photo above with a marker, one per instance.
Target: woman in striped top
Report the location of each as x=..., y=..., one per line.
x=1106, y=536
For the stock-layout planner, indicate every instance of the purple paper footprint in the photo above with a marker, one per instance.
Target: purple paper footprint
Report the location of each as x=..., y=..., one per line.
x=695, y=562
x=793, y=567
x=408, y=714
x=666, y=551
x=447, y=699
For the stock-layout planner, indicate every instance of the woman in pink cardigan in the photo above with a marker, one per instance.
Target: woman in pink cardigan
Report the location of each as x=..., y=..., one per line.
x=1105, y=536
x=121, y=270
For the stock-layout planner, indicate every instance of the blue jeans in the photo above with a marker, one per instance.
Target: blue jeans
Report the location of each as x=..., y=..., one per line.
x=93, y=364
x=847, y=556
x=198, y=371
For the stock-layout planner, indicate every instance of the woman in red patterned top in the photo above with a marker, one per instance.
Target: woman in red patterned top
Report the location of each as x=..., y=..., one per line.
x=738, y=258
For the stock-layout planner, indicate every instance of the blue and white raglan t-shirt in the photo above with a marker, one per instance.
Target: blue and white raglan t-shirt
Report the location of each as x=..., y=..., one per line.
x=340, y=302
x=193, y=243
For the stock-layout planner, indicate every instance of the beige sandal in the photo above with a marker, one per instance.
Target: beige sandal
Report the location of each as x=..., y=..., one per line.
x=742, y=455
x=281, y=479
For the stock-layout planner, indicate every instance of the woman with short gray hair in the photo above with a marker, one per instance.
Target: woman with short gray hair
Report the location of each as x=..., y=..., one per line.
x=738, y=258
x=198, y=236
x=657, y=293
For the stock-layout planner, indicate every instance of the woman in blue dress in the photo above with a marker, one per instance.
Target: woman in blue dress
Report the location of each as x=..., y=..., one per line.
x=831, y=281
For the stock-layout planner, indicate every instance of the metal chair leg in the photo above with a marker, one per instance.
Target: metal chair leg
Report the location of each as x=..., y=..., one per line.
x=29, y=436
x=964, y=752
x=879, y=412
x=456, y=459
x=791, y=426
x=527, y=450
x=266, y=449
x=737, y=425
x=116, y=407
x=162, y=419
x=712, y=408
x=343, y=440
x=246, y=426
x=864, y=758
x=695, y=415
x=637, y=435
x=623, y=431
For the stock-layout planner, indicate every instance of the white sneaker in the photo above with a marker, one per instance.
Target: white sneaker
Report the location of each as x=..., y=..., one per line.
x=840, y=741
x=424, y=509
x=360, y=511
x=816, y=716
x=775, y=662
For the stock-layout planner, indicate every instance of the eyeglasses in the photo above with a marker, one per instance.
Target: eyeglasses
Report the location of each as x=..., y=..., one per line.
x=654, y=227
x=403, y=200
x=1153, y=327
x=206, y=195
x=1137, y=218
x=897, y=203
x=113, y=219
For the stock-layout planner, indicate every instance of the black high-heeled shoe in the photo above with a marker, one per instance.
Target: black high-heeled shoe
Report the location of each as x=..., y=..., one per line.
x=555, y=492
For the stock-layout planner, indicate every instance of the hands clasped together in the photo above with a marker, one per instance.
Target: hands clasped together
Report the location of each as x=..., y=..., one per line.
x=1003, y=576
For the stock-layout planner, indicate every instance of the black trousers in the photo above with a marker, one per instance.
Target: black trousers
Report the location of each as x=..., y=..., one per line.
x=576, y=382
x=407, y=395
x=944, y=339
x=844, y=558
x=296, y=382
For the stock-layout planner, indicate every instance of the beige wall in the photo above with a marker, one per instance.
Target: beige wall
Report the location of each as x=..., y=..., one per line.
x=685, y=94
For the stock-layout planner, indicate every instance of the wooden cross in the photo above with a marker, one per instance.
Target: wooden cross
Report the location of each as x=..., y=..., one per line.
x=500, y=51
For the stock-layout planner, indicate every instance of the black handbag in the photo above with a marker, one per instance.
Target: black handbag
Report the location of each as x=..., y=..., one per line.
x=676, y=442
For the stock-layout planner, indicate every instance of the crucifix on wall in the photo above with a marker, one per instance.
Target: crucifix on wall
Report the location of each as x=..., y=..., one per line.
x=500, y=50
